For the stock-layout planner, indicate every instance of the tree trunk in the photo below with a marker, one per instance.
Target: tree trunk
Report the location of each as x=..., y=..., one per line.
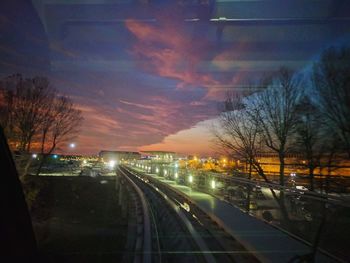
x=311, y=177
x=26, y=167
x=282, y=163
x=42, y=161
x=249, y=186
x=44, y=157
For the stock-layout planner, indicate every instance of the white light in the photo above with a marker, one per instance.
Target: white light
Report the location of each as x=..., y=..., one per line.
x=111, y=164
x=72, y=145
x=84, y=162
x=165, y=172
x=176, y=175
x=213, y=184
x=176, y=165
x=34, y=155
x=157, y=170
x=190, y=178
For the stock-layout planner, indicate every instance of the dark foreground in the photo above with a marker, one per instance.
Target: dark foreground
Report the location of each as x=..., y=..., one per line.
x=77, y=219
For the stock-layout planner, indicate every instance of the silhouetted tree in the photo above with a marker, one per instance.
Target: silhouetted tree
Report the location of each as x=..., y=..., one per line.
x=238, y=133
x=309, y=136
x=24, y=103
x=331, y=78
x=62, y=121
x=33, y=112
x=274, y=112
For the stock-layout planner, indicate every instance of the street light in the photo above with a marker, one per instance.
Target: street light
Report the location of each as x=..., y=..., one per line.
x=213, y=184
x=190, y=179
x=111, y=164
x=72, y=145
x=34, y=155
x=176, y=175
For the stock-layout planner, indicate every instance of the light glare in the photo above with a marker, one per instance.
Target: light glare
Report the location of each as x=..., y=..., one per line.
x=111, y=164
x=213, y=184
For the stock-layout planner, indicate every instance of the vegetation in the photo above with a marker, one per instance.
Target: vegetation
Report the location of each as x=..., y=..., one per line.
x=308, y=115
x=35, y=116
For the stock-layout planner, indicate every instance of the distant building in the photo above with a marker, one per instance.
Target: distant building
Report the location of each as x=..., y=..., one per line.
x=107, y=156
x=161, y=156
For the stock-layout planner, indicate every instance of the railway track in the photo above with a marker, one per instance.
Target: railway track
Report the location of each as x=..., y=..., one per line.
x=178, y=231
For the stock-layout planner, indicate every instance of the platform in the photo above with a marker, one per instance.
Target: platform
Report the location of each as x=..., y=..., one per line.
x=268, y=243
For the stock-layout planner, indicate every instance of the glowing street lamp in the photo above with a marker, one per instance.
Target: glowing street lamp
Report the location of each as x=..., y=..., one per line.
x=34, y=155
x=190, y=179
x=165, y=172
x=72, y=145
x=176, y=175
x=213, y=184
x=157, y=170
x=111, y=164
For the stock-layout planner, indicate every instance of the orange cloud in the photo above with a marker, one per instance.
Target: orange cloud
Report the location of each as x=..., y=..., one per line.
x=196, y=140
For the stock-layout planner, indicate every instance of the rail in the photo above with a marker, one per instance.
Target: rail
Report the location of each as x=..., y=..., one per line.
x=143, y=243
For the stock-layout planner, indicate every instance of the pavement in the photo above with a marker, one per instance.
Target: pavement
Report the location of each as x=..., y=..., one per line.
x=268, y=243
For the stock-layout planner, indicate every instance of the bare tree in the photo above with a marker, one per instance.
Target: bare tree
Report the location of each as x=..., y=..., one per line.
x=34, y=112
x=309, y=133
x=62, y=121
x=331, y=78
x=25, y=99
x=274, y=112
x=238, y=134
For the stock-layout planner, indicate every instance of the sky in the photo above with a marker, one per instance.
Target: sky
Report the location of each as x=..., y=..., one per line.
x=150, y=75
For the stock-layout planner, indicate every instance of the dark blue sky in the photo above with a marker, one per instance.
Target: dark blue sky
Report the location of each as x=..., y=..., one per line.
x=142, y=71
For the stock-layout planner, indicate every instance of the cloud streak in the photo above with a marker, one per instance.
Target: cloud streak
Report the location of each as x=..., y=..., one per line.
x=167, y=50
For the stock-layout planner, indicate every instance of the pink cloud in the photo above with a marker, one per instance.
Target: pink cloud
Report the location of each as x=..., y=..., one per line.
x=169, y=52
